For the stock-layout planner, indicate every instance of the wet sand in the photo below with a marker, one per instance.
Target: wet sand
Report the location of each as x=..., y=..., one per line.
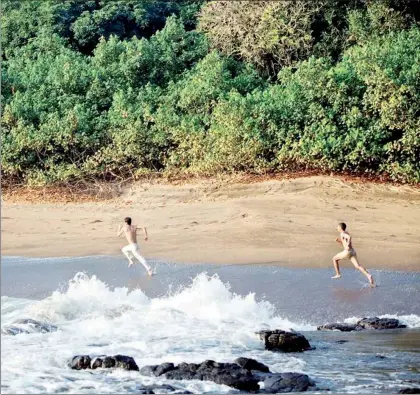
x=289, y=222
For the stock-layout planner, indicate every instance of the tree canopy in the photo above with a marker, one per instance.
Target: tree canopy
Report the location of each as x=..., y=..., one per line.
x=114, y=88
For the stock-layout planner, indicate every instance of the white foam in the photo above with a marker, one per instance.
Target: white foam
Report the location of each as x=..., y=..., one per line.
x=203, y=321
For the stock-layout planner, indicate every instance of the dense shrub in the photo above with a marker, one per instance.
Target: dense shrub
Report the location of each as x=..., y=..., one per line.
x=111, y=89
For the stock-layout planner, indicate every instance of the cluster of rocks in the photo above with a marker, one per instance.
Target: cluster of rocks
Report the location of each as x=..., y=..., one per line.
x=245, y=375
x=365, y=323
x=27, y=325
x=80, y=362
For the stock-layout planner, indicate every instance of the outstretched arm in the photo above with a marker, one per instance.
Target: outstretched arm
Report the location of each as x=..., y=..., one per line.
x=146, y=237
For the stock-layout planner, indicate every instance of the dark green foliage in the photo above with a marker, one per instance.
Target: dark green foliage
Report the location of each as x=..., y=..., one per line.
x=116, y=88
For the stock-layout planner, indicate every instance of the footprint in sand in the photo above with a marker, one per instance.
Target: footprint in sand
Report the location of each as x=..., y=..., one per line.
x=96, y=221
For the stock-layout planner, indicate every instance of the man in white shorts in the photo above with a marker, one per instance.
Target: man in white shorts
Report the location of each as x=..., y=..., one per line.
x=132, y=249
x=348, y=253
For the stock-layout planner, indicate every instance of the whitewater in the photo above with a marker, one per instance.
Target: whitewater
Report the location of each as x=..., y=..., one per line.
x=187, y=317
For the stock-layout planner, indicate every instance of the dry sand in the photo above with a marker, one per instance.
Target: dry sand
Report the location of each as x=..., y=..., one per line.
x=290, y=222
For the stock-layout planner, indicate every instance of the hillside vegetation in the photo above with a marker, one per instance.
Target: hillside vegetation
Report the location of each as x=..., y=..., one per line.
x=109, y=89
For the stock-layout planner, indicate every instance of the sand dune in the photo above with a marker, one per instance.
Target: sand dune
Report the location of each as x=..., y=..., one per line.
x=290, y=222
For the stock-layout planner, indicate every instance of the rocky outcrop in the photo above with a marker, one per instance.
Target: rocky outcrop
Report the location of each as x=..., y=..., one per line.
x=252, y=365
x=409, y=391
x=287, y=382
x=243, y=375
x=365, y=323
x=80, y=362
x=338, y=327
x=230, y=374
x=380, y=323
x=27, y=325
x=278, y=340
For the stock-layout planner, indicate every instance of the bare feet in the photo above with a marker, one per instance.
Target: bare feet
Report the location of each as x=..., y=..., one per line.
x=337, y=276
x=371, y=282
x=150, y=272
x=130, y=263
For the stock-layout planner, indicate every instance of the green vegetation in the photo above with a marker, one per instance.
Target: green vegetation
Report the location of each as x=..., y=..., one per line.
x=108, y=89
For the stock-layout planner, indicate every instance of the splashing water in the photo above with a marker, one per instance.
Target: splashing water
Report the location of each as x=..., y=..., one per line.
x=204, y=320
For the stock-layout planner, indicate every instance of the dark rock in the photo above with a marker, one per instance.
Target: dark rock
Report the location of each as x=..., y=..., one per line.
x=27, y=325
x=117, y=361
x=409, y=391
x=243, y=375
x=80, y=362
x=287, y=382
x=365, y=323
x=252, y=364
x=230, y=374
x=380, y=323
x=124, y=362
x=110, y=362
x=341, y=341
x=338, y=327
x=165, y=367
x=278, y=340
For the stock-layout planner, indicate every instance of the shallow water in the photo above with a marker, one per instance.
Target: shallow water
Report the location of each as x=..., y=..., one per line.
x=196, y=312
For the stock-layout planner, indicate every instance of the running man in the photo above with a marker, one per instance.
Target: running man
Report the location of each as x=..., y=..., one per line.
x=132, y=249
x=348, y=253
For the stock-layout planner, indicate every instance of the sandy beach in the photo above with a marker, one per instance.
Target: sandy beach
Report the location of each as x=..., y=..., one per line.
x=285, y=222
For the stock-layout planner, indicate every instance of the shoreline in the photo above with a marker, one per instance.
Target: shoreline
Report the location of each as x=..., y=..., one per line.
x=288, y=222
x=159, y=261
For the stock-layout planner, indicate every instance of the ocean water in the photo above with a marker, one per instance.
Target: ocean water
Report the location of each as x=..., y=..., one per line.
x=189, y=313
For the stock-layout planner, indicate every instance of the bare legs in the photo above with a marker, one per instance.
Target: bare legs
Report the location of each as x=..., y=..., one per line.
x=359, y=267
x=336, y=267
x=127, y=252
x=131, y=251
x=356, y=264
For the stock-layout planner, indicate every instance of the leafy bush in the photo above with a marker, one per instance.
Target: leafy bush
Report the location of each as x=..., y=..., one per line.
x=111, y=89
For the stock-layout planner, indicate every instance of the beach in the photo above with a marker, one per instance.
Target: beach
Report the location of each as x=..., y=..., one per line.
x=230, y=259
x=290, y=222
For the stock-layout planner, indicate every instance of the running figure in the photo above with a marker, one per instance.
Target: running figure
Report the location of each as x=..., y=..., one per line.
x=348, y=253
x=132, y=249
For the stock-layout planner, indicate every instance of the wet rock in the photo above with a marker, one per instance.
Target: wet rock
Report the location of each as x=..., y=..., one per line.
x=124, y=362
x=338, y=327
x=341, y=341
x=243, y=375
x=409, y=391
x=252, y=364
x=27, y=325
x=365, y=323
x=278, y=340
x=80, y=362
x=287, y=382
x=230, y=374
x=380, y=323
